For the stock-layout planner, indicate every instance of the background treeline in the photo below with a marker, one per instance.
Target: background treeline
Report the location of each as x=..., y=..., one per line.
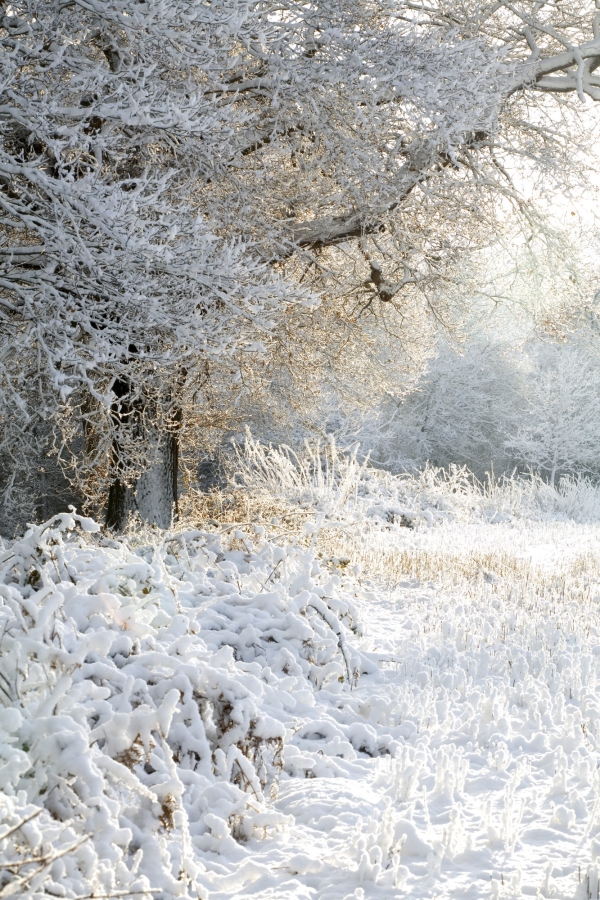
x=496, y=406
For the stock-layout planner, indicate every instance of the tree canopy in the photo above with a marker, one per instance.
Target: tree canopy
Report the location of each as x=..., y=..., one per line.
x=196, y=195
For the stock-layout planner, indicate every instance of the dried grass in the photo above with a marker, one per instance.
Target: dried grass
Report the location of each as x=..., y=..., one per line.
x=280, y=490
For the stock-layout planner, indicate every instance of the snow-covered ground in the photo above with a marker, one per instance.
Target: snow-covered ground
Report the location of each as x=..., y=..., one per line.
x=490, y=692
x=223, y=716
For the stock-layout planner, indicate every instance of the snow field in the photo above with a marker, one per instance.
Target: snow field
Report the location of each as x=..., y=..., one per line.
x=203, y=715
x=497, y=698
x=490, y=686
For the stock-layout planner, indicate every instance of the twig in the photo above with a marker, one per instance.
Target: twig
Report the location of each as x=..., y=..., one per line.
x=263, y=586
x=118, y=894
x=20, y=825
x=340, y=639
x=9, y=889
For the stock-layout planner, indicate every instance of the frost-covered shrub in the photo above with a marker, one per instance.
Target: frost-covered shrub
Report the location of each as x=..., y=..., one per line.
x=146, y=695
x=276, y=480
x=433, y=496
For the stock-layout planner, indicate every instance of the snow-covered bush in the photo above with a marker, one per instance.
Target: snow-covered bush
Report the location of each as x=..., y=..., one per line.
x=276, y=484
x=151, y=693
x=433, y=496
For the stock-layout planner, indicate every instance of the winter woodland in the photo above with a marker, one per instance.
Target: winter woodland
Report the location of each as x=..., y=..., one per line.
x=299, y=466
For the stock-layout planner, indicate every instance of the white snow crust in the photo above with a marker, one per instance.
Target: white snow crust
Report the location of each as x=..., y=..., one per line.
x=204, y=715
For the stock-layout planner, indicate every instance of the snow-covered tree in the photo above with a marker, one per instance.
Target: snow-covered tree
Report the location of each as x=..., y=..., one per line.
x=461, y=410
x=560, y=430
x=118, y=302
x=175, y=176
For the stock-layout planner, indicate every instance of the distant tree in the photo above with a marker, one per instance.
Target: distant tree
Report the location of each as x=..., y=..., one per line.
x=497, y=405
x=460, y=411
x=176, y=176
x=560, y=430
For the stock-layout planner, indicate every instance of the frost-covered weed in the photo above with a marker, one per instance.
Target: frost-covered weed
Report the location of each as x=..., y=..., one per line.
x=365, y=516
x=331, y=480
x=433, y=496
x=323, y=477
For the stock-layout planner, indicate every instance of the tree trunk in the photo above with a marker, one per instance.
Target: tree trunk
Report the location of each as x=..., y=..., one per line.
x=554, y=467
x=120, y=497
x=154, y=496
x=156, y=493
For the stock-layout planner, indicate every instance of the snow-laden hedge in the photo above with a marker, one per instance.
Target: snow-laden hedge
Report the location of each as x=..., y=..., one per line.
x=150, y=696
